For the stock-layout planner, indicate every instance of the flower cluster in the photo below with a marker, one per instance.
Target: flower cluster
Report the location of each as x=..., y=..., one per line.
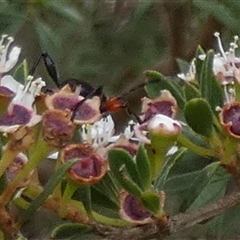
x=75, y=127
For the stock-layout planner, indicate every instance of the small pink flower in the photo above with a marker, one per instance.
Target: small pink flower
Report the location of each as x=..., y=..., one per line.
x=161, y=124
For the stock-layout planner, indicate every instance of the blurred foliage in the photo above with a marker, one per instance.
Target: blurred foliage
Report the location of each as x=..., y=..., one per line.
x=86, y=38
x=112, y=42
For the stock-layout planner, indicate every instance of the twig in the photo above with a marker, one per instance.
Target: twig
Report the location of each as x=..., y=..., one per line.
x=174, y=224
x=186, y=220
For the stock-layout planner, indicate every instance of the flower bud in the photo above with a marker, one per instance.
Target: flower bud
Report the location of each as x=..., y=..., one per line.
x=58, y=129
x=164, y=126
x=163, y=132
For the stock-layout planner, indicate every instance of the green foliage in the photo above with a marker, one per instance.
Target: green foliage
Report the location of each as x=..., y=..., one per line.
x=198, y=115
x=21, y=73
x=151, y=201
x=51, y=185
x=144, y=168
x=70, y=230
x=209, y=87
x=154, y=87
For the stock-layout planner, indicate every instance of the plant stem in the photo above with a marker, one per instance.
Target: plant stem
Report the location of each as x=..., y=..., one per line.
x=39, y=153
x=7, y=157
x=195, y=148
x=68, y=192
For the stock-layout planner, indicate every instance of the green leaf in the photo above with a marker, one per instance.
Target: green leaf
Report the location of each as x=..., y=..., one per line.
x=181, y=182
x=209, y=87
x=119, y=158
x=151, y=201
x=199, y=116
x=191, y=91
x=225, y=224
x=128, y=184
x=161, y=180
x=185, y=189
x=50, y=186
x=199, y=62
x=144, y=168
x=21, y=73
x=67, y=230
x=212, y=187
x=157, y=82
x=108, y=187
x=86, y=199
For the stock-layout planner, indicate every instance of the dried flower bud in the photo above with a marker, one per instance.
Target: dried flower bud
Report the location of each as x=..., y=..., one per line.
x=132, y=209
x=58, y=129
x=88, y=111
x=16, y=166
x=165, y=104
x=91, y=166
x=21, y=139
x=123, y=143
x=84, y=111
x=230, y=118
x=64, y=99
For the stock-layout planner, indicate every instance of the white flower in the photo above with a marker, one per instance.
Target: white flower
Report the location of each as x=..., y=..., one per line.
x=226, y=63
x=98, y=134
x=226, y=66
x=8, y=57
x=20, y=111
x=190, y=75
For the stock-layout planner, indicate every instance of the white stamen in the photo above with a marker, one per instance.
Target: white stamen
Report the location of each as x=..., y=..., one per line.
x=217, y=35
